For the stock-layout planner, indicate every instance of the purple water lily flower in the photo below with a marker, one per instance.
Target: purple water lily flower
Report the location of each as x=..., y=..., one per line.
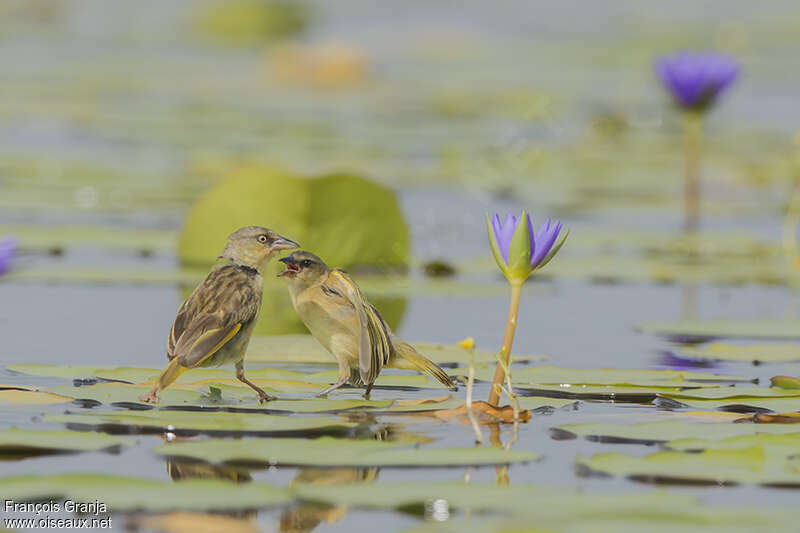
x=517, y=250
x=696, y=79
x=8, y=247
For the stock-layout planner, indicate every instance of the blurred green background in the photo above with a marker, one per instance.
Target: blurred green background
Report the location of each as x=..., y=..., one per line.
x=154, y=129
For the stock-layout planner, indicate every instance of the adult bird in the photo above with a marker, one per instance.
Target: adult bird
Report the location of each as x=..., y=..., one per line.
x=338, y=315
x=214, y=324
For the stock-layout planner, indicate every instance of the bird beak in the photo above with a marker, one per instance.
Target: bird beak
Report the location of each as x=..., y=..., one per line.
x=290, y=270
x=282, y=243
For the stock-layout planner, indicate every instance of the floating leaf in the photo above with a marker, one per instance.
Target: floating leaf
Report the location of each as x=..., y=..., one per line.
x=712, y=467
x=517, y=498
x=12, y=396
x=786, y=444
x=615, y=393
x=785, y=382
x=553, y=375
x=699, y=330
x=198, y=422
x=736, y=405
x=297, y=349
x=338, y=452
x=186, y=522
x=22, y=443
x=122, y=494
x=732, y=393
x=123, y=393
x=753, y=353
x=664, y=431
x=55, y=371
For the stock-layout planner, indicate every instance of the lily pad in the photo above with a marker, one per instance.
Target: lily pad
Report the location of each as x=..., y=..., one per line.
x=23, y=443
x=621, y=385
x=123, y=494
x=710, y=467
x=12, y=396
x=297, y=349
x=124, y=393
x=736, y=405
x=732, y=393
x=700, y=330
x=56, y=371
x=786, y=444
x=753, y=353
x=182, y=422
x=614, y=393
x=523, y=498
x=664, y=431
x=554, y=375
x=338, y=452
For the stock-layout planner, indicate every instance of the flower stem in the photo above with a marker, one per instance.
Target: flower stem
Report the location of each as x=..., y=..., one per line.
x=470, y=384
x=508, y=340
x=693, y=147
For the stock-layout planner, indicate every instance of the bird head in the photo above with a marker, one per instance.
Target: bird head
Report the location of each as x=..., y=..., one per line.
x=253, y=246
x=303, y=268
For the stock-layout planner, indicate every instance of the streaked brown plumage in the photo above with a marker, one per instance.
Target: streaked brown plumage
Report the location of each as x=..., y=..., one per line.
x=338, y=315
x=214, y=325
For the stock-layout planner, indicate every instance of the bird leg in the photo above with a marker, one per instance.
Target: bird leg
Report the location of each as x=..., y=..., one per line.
x=262, y=396
x=332, y=388
x=369, y=389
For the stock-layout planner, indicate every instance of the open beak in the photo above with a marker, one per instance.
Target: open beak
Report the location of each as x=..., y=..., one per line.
x=282, y=243
x=290, y=270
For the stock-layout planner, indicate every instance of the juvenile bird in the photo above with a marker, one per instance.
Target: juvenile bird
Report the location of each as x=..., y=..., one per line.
x=214, y=324
x=338, y=315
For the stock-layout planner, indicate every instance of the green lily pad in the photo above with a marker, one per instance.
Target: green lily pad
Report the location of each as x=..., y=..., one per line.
x=23, y=443
x=56, y=371
x=786, y=444
x=614, y=393
x=553, y=375
x=736, y=405
x=785, y=382
x=713, y=467
x=621, y=385
x=50, y=237
x=452, y=402
x=15, y=396
x=753, y=353
x=201, y=378
x=624, y=520
x=523, y=498
x=124, y=393
x=297, y=349
x=198, y=422
x=123, y=494
x=339, y=452
x=732, y=393
x=728, y=329
x=664, y=431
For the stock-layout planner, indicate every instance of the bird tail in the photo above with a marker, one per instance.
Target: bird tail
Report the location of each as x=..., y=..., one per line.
x=170, y=374
x=410, y=359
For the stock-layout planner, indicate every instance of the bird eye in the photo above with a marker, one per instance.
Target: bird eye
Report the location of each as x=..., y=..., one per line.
x=262, y=239
x=306, y=263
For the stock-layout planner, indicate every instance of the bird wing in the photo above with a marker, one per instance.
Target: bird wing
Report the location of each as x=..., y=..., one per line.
x=374, y=344
x=213, y=315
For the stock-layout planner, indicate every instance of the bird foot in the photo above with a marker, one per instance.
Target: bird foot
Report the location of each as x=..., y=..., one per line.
x=332, y=388
x=264, y=397
x=151, y=397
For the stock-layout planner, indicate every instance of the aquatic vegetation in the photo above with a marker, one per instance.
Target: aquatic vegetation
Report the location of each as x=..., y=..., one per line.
x=518, y=254
x=695, y=81
x=8, y=248
x=251, y=22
